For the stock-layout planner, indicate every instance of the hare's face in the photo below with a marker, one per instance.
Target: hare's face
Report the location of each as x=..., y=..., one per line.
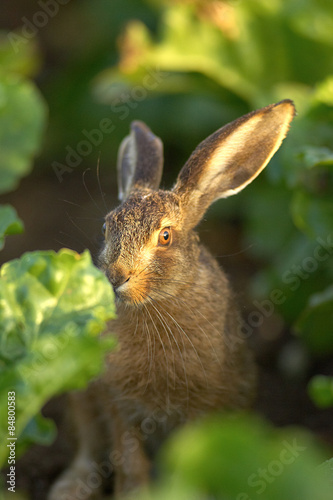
x=151, y=251
x=145, y=255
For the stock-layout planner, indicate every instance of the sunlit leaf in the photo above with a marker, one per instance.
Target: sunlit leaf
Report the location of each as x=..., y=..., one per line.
x=52, y=309
x=22, y=121
x=9, y=223
x=324, y=91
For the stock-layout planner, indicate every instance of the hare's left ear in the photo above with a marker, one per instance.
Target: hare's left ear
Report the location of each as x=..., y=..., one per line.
x=229, y=159
x=140, y=160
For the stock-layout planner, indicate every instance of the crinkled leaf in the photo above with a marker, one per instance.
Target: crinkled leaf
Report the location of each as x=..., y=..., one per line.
x=53, y=306
x=315, y=324
x=321, y=391
x=22, y=121
x=9, y=223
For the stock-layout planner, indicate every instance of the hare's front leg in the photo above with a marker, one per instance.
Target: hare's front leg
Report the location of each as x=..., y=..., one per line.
x=132, y=467
x=82, y=480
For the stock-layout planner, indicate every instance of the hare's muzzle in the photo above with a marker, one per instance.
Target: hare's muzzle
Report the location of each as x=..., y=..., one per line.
x=120, y=288
x=118, y=281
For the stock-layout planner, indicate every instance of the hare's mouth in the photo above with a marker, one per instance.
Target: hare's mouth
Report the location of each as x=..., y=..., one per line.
x=130, y=287
x=129, y=293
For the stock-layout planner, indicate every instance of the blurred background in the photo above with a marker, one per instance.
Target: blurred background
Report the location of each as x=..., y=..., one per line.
x=84, y=70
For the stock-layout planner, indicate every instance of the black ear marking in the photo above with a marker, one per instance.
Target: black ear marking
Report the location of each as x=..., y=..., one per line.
x=140, y=160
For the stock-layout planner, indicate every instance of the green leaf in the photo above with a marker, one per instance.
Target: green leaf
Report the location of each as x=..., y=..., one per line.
x=53, y=306
x=321, y=391
x=313, y=156
x=18, y=55
x=327, y=469
x=313, y=19
x=39, y=430
x=9, y=223
x=315, y=324
x=252, y=48
x=324, y=91
x=312, y=214
x=241, y=457
x=22, y=121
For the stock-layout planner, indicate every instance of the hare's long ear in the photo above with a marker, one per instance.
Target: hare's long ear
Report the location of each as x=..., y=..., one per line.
x=231, y=158
x=140, y=160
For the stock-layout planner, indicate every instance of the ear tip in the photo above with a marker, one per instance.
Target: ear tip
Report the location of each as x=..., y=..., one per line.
x=135, y=124
x=288, y=104
x=140, y=129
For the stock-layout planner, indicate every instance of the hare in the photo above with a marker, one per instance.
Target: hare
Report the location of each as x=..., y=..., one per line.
x=181, y=352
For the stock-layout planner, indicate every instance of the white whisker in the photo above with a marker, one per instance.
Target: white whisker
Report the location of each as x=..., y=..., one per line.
x=194, y=312
x=181, y=330
x=163, y=347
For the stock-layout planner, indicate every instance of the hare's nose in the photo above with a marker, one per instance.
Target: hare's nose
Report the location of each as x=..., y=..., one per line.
x=118, y=280
x=123, y=282
x=120, y=288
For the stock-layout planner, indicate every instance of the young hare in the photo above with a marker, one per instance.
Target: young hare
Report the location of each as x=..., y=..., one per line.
x=180, y=348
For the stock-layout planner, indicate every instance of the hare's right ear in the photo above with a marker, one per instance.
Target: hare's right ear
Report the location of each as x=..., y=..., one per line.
x=140, y=160
x=231, y=158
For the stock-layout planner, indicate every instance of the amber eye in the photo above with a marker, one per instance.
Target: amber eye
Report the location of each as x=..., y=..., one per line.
x=164, y=238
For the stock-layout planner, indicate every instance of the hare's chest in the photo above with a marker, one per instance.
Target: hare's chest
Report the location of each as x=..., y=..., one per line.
x=147, y=373
x=166, y=367
x=162, y=380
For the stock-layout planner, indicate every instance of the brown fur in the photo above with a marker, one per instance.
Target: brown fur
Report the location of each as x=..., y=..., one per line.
x=180, y=353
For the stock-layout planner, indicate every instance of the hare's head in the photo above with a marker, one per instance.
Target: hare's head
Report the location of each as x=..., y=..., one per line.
x=151, y=250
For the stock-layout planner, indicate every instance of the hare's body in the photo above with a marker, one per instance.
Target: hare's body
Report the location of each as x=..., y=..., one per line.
x=181, y=352
x=176, y=358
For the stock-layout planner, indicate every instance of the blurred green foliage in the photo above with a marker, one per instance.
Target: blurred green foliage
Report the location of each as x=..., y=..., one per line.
x=52, y=306
x=9, y=223
x=22, y=112
x=22, y=120
x=247, y=460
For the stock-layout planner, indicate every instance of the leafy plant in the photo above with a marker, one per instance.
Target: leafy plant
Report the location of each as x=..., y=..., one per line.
x=22, y=121
x=52, y=306
x=321, y=391
x=243, y=458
